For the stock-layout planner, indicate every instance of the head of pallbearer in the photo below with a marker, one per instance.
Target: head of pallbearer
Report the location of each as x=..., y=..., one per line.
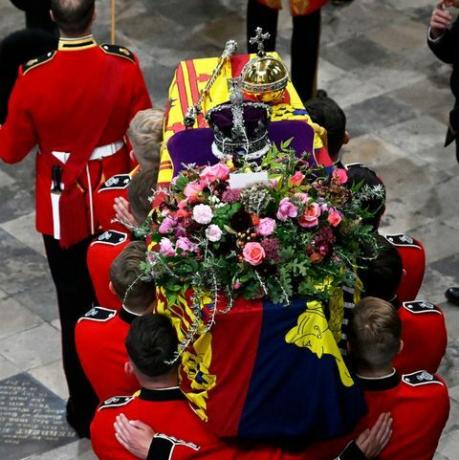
x=74, y=18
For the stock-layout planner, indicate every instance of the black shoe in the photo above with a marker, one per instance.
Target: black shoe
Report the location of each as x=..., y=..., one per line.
x=452, y=295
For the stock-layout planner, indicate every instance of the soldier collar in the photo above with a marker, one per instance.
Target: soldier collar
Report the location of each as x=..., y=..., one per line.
x=126, y=315
x=386, y=382
x=161, y=394
x=76, y=43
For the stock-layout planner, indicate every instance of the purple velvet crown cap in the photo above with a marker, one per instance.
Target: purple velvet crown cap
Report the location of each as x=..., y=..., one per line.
x=195, y=145
x=256, y=116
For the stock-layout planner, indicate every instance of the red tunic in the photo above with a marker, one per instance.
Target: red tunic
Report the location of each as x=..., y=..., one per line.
x=424, y=337
x=297, y=7
x=413, y=257
x=166, y=411
x=104, y=199
x=101, y=253
x=57, y=105
x=419, y=405
x=99, y=338
x=180, y=433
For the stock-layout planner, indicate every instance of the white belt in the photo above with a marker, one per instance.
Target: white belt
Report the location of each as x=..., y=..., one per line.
x=98, y=153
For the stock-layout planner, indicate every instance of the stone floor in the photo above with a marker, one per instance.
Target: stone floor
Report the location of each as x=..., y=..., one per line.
x=374, y=62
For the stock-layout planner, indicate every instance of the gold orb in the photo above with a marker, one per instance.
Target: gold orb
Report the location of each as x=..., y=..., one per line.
x=264, y=79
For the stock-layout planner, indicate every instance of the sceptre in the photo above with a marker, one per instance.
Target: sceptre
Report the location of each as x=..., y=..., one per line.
x=113, y=3
x=195, y=109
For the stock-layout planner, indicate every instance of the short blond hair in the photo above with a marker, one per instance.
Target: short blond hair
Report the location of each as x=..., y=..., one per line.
x=374, y=334
x=146, y=133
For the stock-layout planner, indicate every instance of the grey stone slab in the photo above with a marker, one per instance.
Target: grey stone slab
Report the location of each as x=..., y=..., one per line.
x=377, y=113
x=433, y=95
x=23, y=229
x=77, y=450
x=32, y=348
x=22, y=172
x=354, y=52
x=16, y=318
x=52, y=377
x=40, y=298
x=360, y=17
x=33, y=418
x=414, y=135
x=449, y=266
x=20, y=263
x=349, y=89
x=434, y=286
x=400, y=37
x=436, y=237
x=7, y=368
x=450, y=445
x=17, y=200
x=5, y=179
x=191, y=13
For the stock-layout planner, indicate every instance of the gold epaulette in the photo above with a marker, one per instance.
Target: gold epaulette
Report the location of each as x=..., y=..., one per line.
x=117, y=50
x=35, y=62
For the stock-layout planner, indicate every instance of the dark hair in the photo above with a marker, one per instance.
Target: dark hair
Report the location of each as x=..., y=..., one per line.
x=73, y=17
x=359, y=175
x=125, y=274
x=374, y=334
x=16, y=49
x=140, y=191
x=328, y=114
x=381, y=275
x=151, y=344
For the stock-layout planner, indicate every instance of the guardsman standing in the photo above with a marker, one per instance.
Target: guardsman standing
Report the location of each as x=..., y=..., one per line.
x=73, y=106
x=101, y=333
x=305, y=37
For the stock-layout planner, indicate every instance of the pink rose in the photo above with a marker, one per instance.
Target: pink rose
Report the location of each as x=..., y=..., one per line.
x=202, y=214
x=296, y=179
x=185, y=245
x=167, y=225
x=286, y=209
x=310, y=217
x=221, y=171
x=339, y=176
x=334, y=217
x=266, y=226
x=211, y=173
x=192, y=189
x=182, y=204
x=253, y=253
x=213, y=233
x=166, y=248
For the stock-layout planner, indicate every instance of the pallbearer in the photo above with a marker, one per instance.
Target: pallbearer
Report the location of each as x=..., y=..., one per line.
x=73, y=106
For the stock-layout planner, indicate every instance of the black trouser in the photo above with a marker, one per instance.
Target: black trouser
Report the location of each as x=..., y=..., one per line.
x=304, y=46
x=75, y=296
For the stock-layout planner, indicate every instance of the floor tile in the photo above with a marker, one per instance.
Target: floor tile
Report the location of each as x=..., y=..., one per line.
x=52, y=377
x=23, y=229
x=15, y=318
x=35, y=347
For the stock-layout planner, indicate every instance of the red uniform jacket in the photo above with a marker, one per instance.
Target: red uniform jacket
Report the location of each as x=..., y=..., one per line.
x=99, y=338
x=166, y=411
x=101, y=253
x=104, y=199
x=181, y=435
x=297, y=7
x=419, y=405
x=424, y=337
x=67, y=104
x=413, y=257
